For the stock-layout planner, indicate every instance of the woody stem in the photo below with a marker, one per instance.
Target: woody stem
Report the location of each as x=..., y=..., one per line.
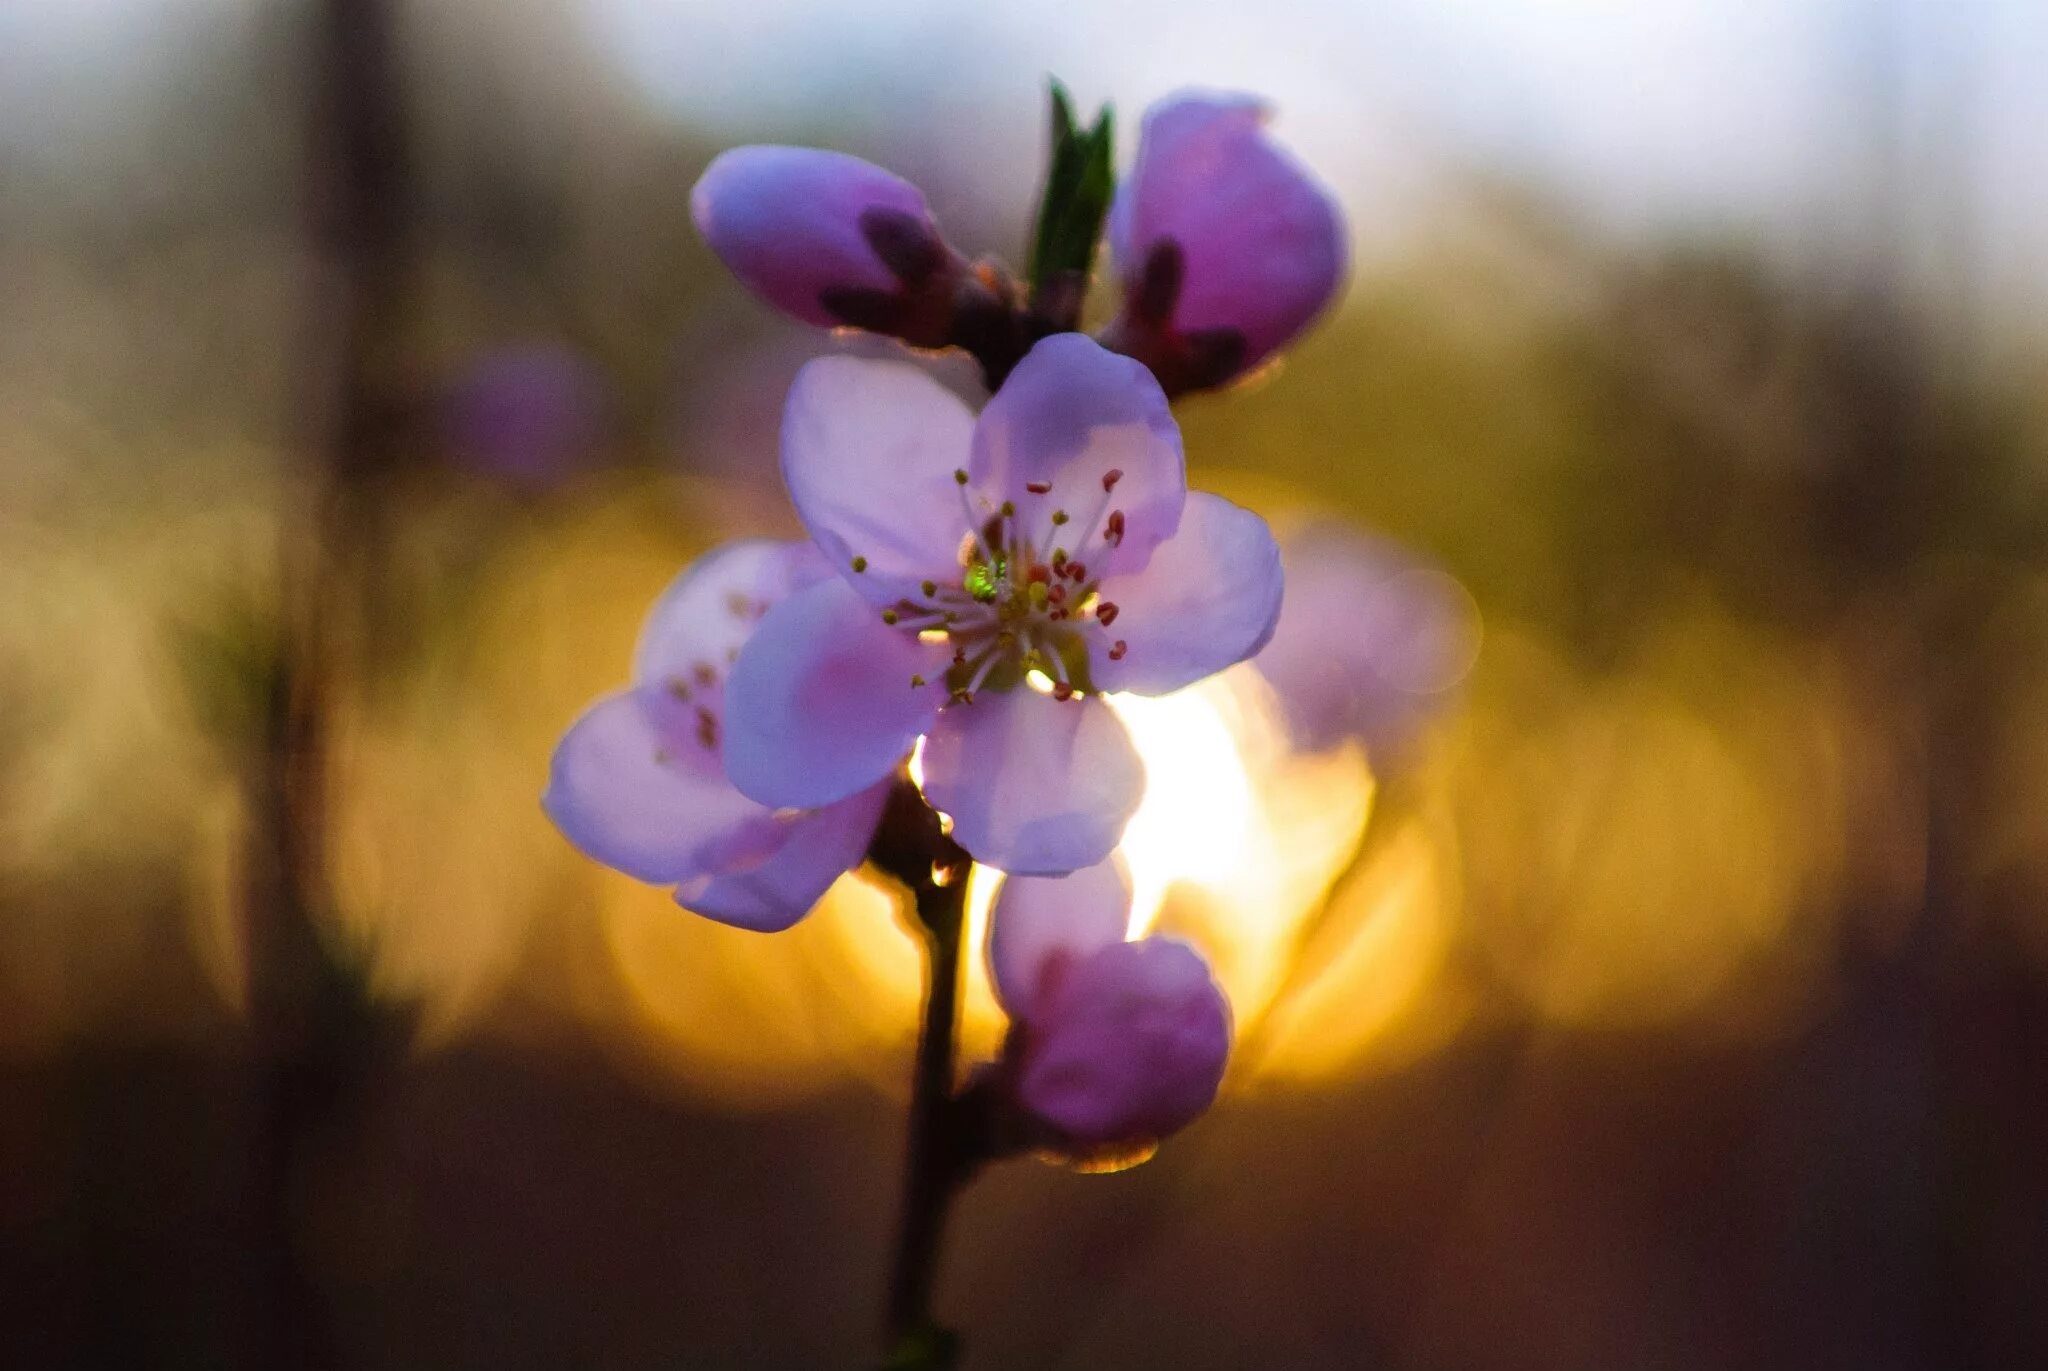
x=933, y=1165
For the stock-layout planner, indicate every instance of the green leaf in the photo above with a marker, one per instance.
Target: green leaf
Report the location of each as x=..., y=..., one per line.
x=1062, y=115
x=1079, y=181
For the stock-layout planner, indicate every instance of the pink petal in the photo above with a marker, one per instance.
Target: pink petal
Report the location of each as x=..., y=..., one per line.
x=1208, y=600
x=1035, y=786
x=821, y=703
x=869, y=449
x=1043, y=924
x=816, y=850
x=1073, y=416
x=639, y=781
x=1129, y=1046
x=646, y=802
x=707, y=613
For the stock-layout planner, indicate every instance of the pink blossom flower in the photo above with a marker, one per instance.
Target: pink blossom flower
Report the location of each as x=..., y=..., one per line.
x=1227, y=248
x=1114, y=1043
x=830, y=239
x=530, y=414
x=1054, y=535
x=1369, y=644
x=637, y=782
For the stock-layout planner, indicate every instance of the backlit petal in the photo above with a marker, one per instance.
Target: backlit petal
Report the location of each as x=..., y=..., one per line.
x=869, y=449
x=1042, y=924
x=647, y=803
x=816, y=850
x=1209, y=599
x=1072, y=417
x=1370, y=641
x=1035, y=786
x=821, y=703
x=706, y=613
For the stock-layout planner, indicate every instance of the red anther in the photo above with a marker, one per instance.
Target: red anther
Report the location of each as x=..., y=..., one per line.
x=1059, y=614
x=1039, y=572
x=959, y=656
x=1118, y=649
x=1062, y=691
x=1039, y=487
x=1057, y=594
x=1111, y=477
x=1105, y=613
x=1077, y=571
x=1114, y=529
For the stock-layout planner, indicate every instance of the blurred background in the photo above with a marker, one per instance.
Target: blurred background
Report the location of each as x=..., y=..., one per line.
x=1674, y=994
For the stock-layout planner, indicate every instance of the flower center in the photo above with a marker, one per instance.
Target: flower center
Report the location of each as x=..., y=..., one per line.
x=1027, y=593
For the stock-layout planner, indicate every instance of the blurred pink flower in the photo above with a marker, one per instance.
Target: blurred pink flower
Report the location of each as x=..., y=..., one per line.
x=529, y=414
x=1369, y=642
x=1053, y=534
x=638, y=784
x=1227, y=248
x=1115, y=1043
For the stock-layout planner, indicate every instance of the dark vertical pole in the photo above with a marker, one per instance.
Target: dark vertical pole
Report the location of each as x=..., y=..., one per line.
x=354, y=188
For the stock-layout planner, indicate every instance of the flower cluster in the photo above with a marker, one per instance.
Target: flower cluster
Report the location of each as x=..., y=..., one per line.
x=972, y=586
x=1226, y=248
x=977, y=583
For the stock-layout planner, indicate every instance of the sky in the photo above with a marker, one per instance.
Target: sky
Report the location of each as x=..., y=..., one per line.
x=1643, y=116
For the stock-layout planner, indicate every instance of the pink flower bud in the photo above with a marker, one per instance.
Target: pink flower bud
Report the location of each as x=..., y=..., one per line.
x=1125, y=1046
x=828, y=238
x=1226, y=246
